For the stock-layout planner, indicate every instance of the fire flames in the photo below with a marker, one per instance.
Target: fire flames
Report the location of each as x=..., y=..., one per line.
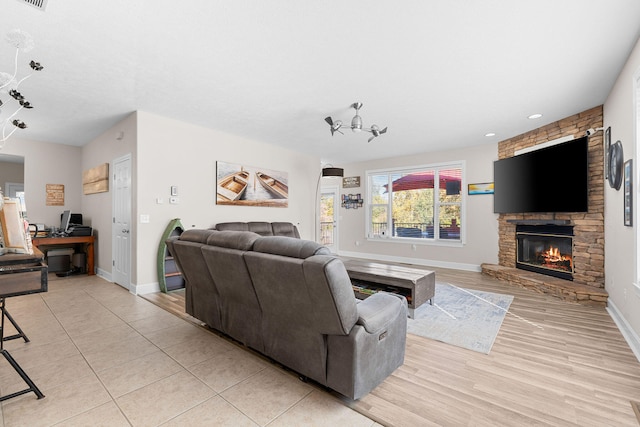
x=553, y=257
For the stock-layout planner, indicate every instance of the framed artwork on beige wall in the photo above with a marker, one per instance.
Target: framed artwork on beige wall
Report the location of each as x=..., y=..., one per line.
x=55, y=194
x=96, y=180
x=242, y=185
x=481, y=188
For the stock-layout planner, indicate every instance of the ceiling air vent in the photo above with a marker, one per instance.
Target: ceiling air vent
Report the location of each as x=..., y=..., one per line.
x=38, y=4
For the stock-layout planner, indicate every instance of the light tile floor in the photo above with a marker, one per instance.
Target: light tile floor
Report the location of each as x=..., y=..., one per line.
x=103, y=356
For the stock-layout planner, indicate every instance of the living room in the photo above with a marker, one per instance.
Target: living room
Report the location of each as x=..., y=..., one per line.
x=166, y=152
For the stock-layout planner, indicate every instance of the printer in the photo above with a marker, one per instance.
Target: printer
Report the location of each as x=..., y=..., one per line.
x=79, y=230
x=71, y=224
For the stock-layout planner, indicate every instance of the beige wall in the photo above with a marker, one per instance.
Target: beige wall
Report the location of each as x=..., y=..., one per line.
x=621, y=256
x=118, y=141
x=481, y=244
x=10, y=172
x=48, y=164
x=171, y=153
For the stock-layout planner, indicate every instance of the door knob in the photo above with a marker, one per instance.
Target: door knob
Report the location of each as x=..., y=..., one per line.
x=125, y=231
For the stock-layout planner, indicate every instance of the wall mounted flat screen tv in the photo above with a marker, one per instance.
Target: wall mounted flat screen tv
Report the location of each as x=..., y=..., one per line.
x=551, y=179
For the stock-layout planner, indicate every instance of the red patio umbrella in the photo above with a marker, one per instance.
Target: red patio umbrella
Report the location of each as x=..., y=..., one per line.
x=420, y=180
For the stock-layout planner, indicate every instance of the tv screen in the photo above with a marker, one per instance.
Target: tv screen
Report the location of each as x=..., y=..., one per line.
x=551, y=179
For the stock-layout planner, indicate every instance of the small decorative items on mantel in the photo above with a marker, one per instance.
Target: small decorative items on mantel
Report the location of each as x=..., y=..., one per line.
x=22, y=41
x=352, y=201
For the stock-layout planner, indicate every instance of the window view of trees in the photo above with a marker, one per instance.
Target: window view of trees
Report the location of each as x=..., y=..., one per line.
x=378, y=204
x=326, y=219
x=410, y=207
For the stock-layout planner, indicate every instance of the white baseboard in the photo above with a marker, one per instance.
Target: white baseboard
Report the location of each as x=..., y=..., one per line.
x=627, y=332
x=107, y=276
x=147, y=288
x=104, y=274
x=416, y=261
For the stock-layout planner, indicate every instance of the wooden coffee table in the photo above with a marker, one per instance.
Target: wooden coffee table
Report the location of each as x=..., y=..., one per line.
x=416, y=285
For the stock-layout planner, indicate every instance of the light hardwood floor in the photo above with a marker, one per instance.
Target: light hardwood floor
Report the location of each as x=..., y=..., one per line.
x=553, y=363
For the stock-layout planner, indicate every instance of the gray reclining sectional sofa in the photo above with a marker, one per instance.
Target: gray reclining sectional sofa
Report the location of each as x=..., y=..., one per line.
x=291, y=300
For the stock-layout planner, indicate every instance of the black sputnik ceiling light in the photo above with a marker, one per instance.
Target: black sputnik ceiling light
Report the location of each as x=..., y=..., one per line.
x=9, y=84
x=356, y=124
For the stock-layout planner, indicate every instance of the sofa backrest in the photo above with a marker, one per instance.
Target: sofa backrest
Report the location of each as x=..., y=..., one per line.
x=286, y=246
x=187, y=250
x=285, y=229
x=241, y=313
x=293, y=320
x=232, y=226
x=240, y=240
x=196, y=235
x=331, y=293
x=262, y=228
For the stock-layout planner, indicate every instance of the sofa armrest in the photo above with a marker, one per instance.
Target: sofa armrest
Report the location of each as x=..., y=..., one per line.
x=358, y=362
x=375, y=312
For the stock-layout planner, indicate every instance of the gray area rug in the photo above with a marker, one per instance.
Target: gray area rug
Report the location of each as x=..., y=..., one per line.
x=461, y=317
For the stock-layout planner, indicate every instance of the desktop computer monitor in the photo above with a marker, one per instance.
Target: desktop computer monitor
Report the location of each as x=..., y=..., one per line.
x=75, y=219
x=64, y=222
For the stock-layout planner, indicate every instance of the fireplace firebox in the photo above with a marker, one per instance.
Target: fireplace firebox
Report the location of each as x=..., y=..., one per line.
x=546, y=249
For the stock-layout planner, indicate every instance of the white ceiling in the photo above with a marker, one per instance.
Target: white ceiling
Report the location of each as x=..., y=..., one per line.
x=439, y=73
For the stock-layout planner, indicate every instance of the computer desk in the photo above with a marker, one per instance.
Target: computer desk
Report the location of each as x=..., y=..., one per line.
x=86, y=241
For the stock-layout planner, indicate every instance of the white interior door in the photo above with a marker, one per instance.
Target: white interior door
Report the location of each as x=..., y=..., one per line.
x=329, y=206
x=121, y=229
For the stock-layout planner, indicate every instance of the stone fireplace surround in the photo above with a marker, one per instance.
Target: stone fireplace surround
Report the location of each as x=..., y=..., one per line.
x=587, y=286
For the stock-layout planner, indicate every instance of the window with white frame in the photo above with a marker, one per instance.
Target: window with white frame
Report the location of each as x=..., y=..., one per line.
x=424, y=202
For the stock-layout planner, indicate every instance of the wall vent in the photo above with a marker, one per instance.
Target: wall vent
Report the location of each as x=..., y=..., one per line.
x=38, y=4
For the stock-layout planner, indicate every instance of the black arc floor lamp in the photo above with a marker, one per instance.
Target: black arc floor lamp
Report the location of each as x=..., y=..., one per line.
x=331, y=171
